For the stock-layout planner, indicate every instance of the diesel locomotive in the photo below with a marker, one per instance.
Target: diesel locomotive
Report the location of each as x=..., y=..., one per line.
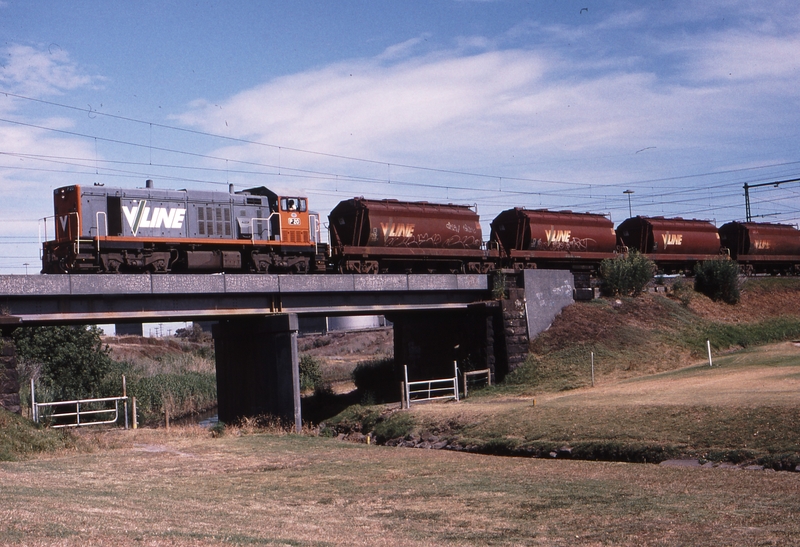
x=108, y=230
x=100, y=229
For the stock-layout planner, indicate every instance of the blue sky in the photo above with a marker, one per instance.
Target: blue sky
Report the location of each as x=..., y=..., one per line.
x=544, y=104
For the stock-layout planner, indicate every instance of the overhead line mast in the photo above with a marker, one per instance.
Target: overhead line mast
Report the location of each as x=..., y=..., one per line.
x=747, y=193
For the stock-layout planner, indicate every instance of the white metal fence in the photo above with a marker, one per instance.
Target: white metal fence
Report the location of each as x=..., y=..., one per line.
x=431, y=390
x=94, y=411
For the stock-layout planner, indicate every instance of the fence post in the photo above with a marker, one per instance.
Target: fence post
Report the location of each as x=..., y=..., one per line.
x=34, y=414
x=455, y=378
x=124, y=394
x=408, y=395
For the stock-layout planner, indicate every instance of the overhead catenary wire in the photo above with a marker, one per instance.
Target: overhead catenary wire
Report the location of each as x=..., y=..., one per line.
x=507, y=191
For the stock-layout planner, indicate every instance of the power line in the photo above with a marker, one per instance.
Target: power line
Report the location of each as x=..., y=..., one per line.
x=350, y=158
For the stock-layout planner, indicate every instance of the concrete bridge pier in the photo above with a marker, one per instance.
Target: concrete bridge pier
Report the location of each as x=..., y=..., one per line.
x=257, y=367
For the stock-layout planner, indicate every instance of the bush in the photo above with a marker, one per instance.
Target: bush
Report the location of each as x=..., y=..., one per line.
x=378, y=381
x=718, y=279
x=66, y=362
x=626, y=275
x=310, y=373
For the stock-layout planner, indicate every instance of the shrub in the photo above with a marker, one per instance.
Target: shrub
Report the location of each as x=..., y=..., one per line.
x=67, y=362
x=626, y=275
x=395, y=426
x=378, y=381
x=718, y=279
x=310, y=373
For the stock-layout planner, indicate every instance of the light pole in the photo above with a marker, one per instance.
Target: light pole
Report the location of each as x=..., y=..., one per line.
x=26, y=267
x=630, y=211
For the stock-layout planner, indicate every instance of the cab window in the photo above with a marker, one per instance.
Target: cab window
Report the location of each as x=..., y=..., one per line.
x=293, y=204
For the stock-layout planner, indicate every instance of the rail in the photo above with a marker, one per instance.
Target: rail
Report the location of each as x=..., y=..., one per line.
x=431, y=390
x=81, y=413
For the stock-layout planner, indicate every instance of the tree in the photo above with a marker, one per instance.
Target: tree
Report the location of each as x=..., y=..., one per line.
x=71, y=361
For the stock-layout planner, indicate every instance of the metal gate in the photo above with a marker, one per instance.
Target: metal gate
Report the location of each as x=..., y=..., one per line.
x=82, y=416
x=431, y=390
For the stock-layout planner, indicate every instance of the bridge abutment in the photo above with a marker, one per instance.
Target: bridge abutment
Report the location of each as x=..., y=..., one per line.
x=257, y=368
x=9, y=378
x=491, y=334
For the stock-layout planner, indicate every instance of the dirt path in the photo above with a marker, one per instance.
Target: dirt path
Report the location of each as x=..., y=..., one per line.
x=733, y=380
x=766, y=376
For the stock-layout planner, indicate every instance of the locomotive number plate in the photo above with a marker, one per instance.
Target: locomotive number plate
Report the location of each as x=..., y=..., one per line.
x=294, y=222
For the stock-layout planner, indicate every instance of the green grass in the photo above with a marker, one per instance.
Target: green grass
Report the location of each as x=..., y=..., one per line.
x=20, y=438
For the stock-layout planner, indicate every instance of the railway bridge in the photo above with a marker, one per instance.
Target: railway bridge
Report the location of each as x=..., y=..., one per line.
x=437, y=318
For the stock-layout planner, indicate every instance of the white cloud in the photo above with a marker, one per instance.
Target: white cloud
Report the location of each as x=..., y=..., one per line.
x=37, y=72
x=749, y=56
x=538, y=111
x=465, y=106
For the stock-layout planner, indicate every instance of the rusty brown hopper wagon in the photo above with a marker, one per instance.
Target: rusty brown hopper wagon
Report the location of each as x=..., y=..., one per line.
x=675, y=244
x=763, y=247
x=553, y=239
x=371, y=236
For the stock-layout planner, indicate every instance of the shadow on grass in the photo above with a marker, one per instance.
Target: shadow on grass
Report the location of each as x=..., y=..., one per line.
x=323, y=405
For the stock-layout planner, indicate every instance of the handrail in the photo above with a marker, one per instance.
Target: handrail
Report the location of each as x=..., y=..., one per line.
x=267, y=219
x=97, y=224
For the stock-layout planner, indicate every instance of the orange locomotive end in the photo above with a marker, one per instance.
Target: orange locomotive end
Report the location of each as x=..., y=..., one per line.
x=67, y=208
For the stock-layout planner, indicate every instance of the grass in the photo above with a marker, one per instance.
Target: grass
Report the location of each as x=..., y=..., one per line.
x=744, y=408
x=642, y=336
x=21, y=439
x=186, y=488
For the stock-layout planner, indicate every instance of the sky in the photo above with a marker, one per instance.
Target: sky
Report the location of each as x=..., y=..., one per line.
x=555, y=104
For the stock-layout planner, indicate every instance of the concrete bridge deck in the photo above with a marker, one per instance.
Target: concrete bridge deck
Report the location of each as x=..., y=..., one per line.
x=81, y=299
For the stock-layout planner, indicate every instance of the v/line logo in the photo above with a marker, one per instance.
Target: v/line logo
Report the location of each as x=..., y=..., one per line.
x=141, y=216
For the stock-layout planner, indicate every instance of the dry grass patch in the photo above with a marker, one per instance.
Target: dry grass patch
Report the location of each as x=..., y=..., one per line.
x=187, y=489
